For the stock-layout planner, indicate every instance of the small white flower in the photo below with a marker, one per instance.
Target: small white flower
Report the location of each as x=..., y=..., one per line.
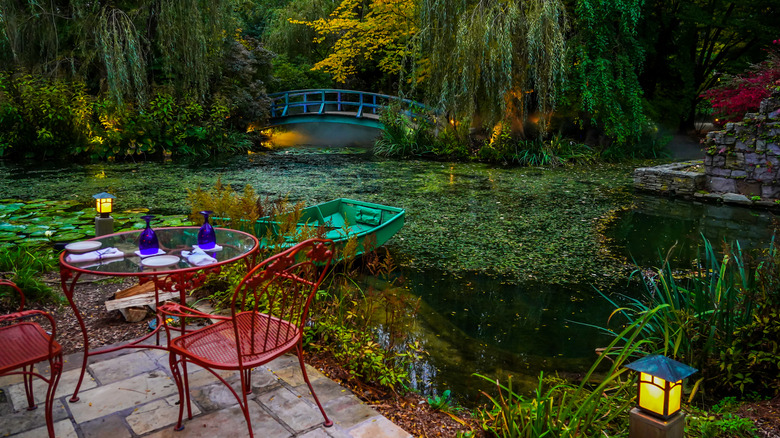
x=48, y=233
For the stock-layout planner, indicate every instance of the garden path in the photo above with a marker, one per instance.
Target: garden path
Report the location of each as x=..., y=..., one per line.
x=131, y=393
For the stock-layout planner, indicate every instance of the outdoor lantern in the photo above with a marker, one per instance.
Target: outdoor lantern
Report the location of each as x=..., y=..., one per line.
x=104, y=203
x=660, y=384
x=104, y=223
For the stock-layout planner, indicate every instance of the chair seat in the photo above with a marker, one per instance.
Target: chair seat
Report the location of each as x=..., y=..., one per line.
x=24, y=344
x=262, y=337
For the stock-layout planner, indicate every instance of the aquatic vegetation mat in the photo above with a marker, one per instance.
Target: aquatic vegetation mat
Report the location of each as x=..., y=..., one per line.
x=520, y=223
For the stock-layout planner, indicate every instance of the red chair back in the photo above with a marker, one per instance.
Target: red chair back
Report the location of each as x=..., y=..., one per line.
x=281, y=287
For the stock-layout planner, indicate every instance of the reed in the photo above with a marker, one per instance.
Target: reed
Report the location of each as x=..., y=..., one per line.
x=562, y=409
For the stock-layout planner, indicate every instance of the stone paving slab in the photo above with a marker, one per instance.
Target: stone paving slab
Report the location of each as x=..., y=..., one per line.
x=292, y=409
x=62, y=429
x=66, y=386
x=129, y=393
x=228, y=422
x=132, y=395
x=122, y=367
x=157, y=414
x=23, y=420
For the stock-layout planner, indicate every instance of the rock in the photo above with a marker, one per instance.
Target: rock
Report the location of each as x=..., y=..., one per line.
x=734, y=198
x=721, y=185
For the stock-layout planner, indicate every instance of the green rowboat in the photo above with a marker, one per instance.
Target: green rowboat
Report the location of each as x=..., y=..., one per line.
x=343, y=219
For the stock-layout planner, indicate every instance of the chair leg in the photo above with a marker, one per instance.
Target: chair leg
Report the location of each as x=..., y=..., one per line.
x=248, y=379
x=55, y=365
x=299, y=350
x=174, y=364
x=246, y=388
x=28, y=387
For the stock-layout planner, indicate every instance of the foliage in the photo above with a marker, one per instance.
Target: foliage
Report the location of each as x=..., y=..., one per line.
x=297, y=74
x=717, y=319
x=607, y=57
x=562, y=409
x=719, y=422
x=379, y=31
x=690, y=44
x=24, y=265
x=493, y=61
x=733, y=96
x=403, y=135
x=46, y=118
x=347, y=313
x=443, y=402
x=296, y=41
x=128, y=44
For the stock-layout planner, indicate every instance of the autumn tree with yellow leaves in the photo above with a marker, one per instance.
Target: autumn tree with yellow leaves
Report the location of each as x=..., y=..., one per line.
x=368, y=34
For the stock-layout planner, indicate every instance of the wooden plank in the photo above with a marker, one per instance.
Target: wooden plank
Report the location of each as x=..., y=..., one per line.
x=135, y=290
x=145, y=299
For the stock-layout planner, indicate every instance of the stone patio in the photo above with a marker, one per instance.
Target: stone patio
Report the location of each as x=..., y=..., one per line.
x=131, y=393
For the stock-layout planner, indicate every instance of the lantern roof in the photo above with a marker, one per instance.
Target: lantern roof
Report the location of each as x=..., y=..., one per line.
x=104, y=195
x=663, y=367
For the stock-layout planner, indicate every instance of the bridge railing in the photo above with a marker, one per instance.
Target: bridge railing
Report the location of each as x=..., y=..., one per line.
x=341, y=102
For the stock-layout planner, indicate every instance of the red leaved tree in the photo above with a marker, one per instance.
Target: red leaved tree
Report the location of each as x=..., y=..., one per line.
x=736, y=95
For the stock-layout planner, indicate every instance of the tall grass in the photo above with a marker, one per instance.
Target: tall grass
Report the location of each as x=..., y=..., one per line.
x=25, y=266
x=562, y=409
x=702, y=312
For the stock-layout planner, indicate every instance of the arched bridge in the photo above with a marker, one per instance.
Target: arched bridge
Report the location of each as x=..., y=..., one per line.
x=336, y=106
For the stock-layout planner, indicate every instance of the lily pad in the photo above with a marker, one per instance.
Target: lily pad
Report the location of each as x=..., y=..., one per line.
x=21, y=216
x=12, y=228
x=7, y=236
x=11, y=207
x=65, y=237
x=136, y=210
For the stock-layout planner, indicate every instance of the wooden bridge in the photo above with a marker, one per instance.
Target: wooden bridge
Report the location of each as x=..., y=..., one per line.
x=336, y=106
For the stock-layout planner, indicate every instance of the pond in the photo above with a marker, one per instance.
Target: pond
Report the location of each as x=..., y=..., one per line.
x=505, y=261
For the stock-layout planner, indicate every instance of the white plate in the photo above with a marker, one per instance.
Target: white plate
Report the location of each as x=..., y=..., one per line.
x=162, y=261
x=83, y=246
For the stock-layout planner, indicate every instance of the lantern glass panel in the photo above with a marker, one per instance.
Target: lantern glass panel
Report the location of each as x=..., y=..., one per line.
x=675, y=397
x=651, y=397
x=104, y=205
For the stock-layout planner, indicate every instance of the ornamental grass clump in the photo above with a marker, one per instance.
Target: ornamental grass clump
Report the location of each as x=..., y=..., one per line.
x=598, y=405
x=720, y=317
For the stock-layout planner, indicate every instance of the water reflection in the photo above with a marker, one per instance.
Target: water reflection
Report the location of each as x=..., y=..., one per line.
x=479, y=324
x=656, y=224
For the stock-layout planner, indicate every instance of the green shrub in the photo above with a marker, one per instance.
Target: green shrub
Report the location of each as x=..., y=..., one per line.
x=720, y=318
x=403, y=135
x=48, y=118
x=25, y=266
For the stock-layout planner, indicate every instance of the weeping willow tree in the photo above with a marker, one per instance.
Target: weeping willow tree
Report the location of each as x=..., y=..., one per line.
x=493, y=60
x=122, y=54
x=127, y=43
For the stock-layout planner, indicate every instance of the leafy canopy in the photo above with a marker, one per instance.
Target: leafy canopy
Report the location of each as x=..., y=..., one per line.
x=379, y=32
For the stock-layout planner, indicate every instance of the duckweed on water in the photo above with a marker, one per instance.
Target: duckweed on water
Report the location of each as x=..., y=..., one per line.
x=521, y=223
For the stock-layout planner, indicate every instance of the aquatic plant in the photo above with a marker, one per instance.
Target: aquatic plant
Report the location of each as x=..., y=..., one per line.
x=564, y=409
x=719, y=317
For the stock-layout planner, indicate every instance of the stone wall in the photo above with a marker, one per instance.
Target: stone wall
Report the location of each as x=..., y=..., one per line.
x=680, y=179
x=744, y=158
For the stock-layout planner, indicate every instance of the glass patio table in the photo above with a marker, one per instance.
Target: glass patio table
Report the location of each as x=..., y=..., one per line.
x=175, y=276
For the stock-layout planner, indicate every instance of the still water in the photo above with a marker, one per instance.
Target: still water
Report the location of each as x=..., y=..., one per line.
x=505, y=261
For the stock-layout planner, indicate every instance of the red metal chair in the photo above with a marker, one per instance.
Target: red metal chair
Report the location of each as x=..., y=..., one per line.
x=25, y=343
x=268, y=312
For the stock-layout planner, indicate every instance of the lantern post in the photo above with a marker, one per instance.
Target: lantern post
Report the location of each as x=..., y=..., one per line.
x=658, y=413
x=104, y=204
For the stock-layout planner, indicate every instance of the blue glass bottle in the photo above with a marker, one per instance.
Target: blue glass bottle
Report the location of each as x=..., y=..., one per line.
x=207, y=238
x=148, y=243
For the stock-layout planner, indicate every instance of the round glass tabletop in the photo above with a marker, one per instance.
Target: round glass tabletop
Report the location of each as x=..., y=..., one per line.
x=118, y=253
